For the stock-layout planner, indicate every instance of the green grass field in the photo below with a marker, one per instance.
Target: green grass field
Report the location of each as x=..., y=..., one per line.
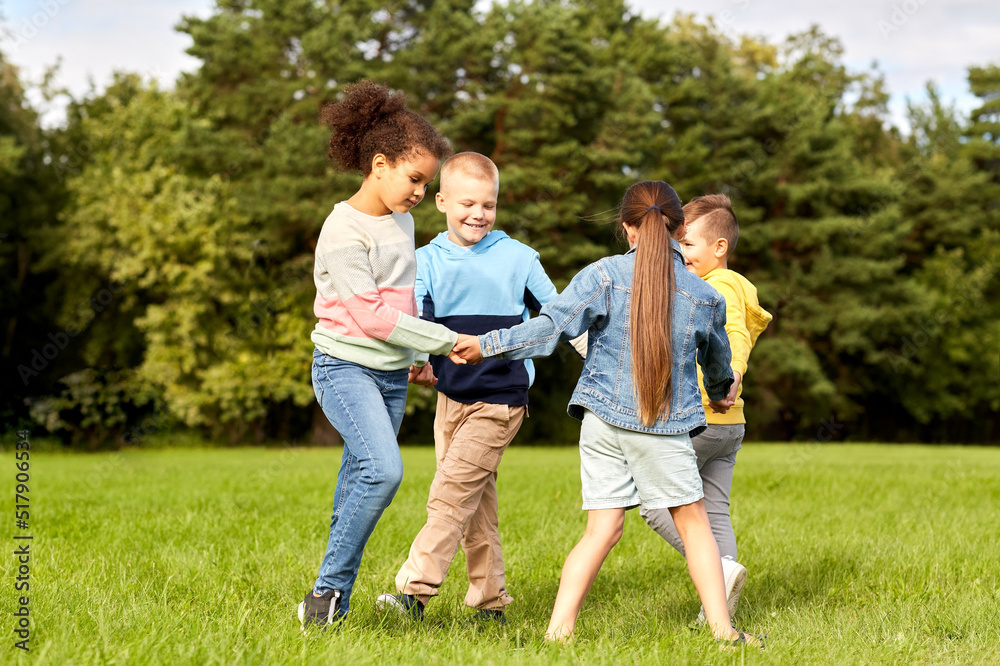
x=857, y=554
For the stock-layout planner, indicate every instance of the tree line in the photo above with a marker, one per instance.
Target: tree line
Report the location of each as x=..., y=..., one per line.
x=157, y=247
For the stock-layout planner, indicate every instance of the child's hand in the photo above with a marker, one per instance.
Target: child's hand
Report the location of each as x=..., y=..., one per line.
x=722, y=406
x=422, y=376
x=734, y=389
x=467, y=350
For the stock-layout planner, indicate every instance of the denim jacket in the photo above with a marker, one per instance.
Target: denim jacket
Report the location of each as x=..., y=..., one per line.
x=597, y=300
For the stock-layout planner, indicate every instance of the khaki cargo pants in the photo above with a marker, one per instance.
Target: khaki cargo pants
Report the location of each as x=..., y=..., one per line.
x=469, y=440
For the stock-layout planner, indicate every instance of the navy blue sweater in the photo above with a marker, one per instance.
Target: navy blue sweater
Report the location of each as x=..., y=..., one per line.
x=491, y=285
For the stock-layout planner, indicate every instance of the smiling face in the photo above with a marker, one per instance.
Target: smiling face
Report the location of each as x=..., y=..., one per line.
x=402, y=186
x=470, y=205
x=701, y=255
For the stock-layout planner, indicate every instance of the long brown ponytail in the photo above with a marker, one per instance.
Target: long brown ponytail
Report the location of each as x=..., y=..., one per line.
x=653, y=209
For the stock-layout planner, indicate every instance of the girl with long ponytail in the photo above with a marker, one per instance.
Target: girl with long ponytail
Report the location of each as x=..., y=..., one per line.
x=649, y=322
x=652, y=291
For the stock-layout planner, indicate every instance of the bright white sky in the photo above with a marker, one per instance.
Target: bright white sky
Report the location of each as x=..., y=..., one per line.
x=912, y=40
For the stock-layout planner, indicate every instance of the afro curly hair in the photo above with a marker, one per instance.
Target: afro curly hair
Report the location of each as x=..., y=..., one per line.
x=372, y=120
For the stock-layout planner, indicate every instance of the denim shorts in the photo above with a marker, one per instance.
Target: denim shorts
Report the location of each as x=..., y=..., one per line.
x=622, y=468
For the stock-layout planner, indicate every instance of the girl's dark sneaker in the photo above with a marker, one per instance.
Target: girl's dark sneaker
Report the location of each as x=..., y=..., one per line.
x=320, y=611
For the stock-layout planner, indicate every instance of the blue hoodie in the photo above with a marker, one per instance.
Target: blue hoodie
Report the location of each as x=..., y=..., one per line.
x=474, y=290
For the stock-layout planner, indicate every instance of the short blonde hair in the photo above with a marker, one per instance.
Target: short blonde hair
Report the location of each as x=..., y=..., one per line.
x=469, y=164
x=716, y=216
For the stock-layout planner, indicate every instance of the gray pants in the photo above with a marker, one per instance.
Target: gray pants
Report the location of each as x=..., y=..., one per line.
x=716, y=449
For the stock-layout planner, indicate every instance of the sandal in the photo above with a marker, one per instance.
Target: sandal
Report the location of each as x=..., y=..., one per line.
x=743, y=640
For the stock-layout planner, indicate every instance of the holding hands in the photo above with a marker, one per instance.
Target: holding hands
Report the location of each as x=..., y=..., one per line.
x=422, y=375
x=466, y=350
x=722, y=406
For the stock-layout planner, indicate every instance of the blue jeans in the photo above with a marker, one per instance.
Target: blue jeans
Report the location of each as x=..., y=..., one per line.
x=366, y=407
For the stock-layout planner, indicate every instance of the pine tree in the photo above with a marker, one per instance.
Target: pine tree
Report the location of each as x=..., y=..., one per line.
x=32, y=346
x=197, y=210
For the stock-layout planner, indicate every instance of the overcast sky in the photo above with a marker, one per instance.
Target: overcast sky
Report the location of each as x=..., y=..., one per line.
x=912, y=40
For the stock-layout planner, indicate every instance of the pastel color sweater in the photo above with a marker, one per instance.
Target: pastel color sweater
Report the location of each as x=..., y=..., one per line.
x=365, y=271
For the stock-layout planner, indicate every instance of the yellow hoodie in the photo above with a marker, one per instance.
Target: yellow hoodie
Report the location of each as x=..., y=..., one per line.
x=745, y=321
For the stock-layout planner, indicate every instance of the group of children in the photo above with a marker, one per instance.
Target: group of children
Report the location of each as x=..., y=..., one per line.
x=455, y=315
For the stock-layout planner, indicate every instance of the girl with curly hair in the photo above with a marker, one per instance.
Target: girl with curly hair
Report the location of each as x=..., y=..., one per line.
x=368, y=329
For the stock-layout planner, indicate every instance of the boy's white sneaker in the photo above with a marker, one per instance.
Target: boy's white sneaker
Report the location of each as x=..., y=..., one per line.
x=734, y=575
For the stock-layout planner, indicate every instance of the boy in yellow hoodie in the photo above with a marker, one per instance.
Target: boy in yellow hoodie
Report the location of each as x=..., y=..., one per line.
x=710, y=233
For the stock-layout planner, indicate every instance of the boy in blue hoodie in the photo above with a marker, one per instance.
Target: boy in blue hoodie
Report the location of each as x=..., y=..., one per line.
x=472, y=280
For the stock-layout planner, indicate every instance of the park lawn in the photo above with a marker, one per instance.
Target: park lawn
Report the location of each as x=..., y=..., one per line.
x=857, y=554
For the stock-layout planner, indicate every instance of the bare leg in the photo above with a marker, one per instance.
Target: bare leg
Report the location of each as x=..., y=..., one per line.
x=604, y=529
x=704, y=565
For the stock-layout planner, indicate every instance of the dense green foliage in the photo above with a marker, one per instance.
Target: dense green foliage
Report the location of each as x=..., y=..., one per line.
x=165, y=237
x=856, y=555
